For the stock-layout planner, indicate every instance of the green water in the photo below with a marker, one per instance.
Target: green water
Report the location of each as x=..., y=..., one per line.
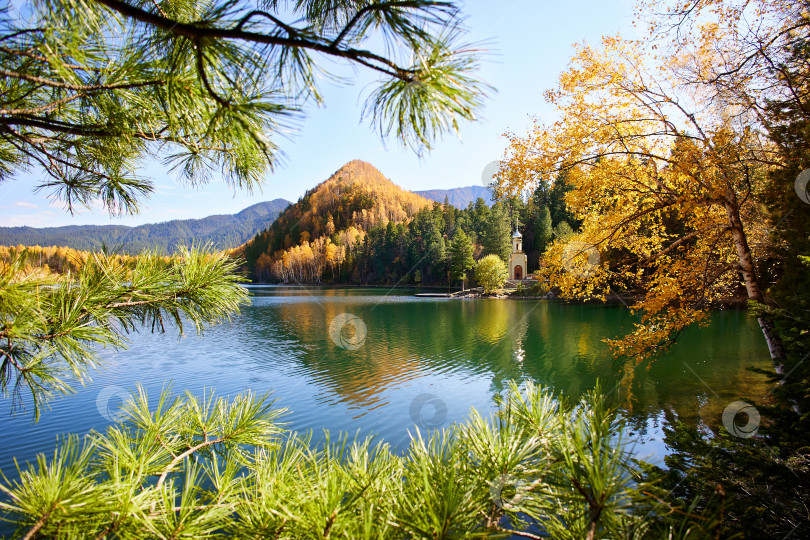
x=417, y=361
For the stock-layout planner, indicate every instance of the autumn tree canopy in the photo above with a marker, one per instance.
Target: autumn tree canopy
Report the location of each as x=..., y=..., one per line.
x=666, y=166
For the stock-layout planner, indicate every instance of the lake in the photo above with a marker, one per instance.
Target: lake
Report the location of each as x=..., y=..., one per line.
x=382, y=361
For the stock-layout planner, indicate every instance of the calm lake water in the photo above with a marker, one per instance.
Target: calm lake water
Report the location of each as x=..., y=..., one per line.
x=409, y=361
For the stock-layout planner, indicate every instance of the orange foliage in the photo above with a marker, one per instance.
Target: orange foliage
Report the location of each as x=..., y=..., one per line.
x=55, y=259
x=315, y=235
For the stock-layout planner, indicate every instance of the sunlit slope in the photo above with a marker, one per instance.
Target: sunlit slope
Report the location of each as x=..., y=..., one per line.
x=318, y=232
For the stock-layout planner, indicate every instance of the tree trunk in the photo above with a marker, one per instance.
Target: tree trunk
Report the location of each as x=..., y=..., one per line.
x=748, y=268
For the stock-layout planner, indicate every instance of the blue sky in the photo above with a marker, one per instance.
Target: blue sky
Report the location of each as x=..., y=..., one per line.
x=531, y=43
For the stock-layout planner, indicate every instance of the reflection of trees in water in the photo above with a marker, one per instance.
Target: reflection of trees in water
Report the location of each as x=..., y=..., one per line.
x=560, y=346
x=359, y=376
x=491, y=321
x=707, y=370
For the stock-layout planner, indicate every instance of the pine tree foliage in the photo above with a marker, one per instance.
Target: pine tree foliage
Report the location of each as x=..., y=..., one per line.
x=52, y=327
x=497, y=235
x=461, y=256
x=543, y=229
x=93, y=88
x=206, y=467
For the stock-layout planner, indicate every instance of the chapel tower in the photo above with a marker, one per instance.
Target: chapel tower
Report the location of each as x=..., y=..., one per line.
x=518, y=263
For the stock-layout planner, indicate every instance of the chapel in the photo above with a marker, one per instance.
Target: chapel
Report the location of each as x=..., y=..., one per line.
x=518, y=263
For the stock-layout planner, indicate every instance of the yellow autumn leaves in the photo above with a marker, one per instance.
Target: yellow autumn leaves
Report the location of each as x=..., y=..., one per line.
x=666, y=164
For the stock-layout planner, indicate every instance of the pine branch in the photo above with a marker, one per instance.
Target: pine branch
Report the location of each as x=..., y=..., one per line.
x=37, y=526
x=98, y=305
x=78, y=87
x=196, y=33
x=42, y=108
x=441, y=486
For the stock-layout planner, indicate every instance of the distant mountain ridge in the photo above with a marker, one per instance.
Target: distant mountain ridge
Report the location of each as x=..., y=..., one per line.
x=223, y=231
x=226, y=231
x=459, y=197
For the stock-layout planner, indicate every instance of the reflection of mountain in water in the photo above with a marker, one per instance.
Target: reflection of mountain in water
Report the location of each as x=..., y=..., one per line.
x=463, y=340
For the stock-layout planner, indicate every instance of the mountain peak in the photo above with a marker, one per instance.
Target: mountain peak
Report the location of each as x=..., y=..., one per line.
x=358, y=164
x=357, y=170
x=342, y=209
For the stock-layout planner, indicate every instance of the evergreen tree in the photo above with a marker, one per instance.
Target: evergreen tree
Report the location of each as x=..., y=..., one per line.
x=556, y=202
x=553, y=196
x=461, y=256
x=464, y=221
x=517, y=210
x=543, y=229
x=378, y=253
x=439, y=269
x=427, y=252
x=497, y=238
x=449, y=218
x=479, y=217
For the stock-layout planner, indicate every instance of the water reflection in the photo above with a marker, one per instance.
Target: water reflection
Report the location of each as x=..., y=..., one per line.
x=553, y=344
x=462, y=351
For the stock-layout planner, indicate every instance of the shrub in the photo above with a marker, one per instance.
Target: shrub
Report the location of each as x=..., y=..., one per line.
x=491, y=273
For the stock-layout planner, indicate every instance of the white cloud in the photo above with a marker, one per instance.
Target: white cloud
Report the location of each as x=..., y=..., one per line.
x=26, y=205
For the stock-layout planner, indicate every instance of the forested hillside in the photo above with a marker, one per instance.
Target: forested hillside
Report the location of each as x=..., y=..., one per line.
x=323, y=227
x=460, y=197
x=358, y=227
x=222, y=231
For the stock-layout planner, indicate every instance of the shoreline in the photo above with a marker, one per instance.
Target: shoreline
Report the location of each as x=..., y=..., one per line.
x=507, y=294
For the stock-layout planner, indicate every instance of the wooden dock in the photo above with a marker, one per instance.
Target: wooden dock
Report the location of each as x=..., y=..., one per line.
x=454, y=294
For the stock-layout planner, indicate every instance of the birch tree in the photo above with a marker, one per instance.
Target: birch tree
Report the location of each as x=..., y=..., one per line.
x=665, y=176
